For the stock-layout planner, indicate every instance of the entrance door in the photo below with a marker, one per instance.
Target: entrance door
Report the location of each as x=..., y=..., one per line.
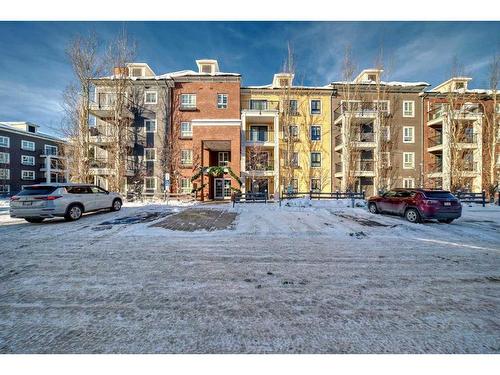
x=260, y=185
x=222, y=188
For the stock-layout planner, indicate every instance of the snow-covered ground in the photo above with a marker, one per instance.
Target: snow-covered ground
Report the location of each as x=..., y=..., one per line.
x=311, y=276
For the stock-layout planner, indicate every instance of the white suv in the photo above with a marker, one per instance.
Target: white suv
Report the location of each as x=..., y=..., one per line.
x=36, y=202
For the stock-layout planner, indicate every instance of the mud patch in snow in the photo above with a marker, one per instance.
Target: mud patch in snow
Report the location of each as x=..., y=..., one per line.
x=199, y=219
x=144, y=217
x=363, y=221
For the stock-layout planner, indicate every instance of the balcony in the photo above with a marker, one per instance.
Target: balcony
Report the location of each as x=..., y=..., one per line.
x=470, y=166
x=338, y=167
x=338, y=140
x=103, y=167
x=468, y=138
x=468, y=111
x=267, y=165
x=365, y=165
x=105, y=106
x=257, y=109
x=256, y=136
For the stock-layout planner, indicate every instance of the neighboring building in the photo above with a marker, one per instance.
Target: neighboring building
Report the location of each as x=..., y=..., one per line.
x=205, y=131
x=143, y=123
x=377, y=133
x=270, y=113
x=456, y=140
x=28, y=157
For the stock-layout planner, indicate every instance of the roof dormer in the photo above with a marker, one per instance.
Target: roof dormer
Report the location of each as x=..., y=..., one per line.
x=207, y=66
x=369, y=75
x=453, y=84
x=283, y=80
x=138, y=70
x=24, y=126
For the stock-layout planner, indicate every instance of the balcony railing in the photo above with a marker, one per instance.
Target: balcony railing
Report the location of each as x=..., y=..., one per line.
x=464, y=110
x=436, y=140
x=338, y=167
x=338, y=140
x=468, y=138
x=437, y=167
x=267, y=165
x=259, y=136
x=260, y=105
x=365, y=165
x=470, y=166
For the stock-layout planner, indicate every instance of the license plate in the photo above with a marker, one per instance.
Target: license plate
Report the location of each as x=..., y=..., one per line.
x=447, y=203
x=27, y=203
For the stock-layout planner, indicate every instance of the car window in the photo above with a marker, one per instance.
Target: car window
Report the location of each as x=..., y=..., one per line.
x=37, y=190
x=79, y=190
x=390, y=194
x=97, y=190
x=439, y=194
x=403, y=194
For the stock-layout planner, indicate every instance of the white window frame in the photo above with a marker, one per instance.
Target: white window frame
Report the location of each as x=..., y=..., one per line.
x=320, y=159
x=388, y=102
x=225, y=163
x=187, y=134
x=320, y=106
x=4, y=158
x=185, y=189
x=311, y=183
x=187, y=161
x=146, y=97
x=146, y=121
x=406, y=165
x=409, y=179
x=412, y=128
x=145, y=153
x=4, y=141
x=25, y=173
x=49, y=146
x=6, y=172
x=409, y=113
x=222, y=105
x=136, y=67
x=190, y=105
x=149, y=178
x=4, y=188
x=23, y=141
x=23, y=162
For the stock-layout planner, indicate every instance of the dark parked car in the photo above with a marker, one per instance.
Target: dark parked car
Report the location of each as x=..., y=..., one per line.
x=417, y=205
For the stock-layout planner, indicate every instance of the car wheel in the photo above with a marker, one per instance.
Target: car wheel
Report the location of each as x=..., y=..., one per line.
x=117, y=205
x=34, y=219
x=74, y=212
x=372, y=207
x=446, y=221
x=412, y=215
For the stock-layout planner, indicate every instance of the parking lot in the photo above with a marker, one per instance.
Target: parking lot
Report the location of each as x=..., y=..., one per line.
x=306, y=277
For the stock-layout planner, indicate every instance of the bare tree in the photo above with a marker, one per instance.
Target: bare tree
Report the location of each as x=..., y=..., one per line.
x=83, y=53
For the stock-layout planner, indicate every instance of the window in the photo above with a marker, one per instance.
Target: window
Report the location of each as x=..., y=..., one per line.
x=50, y=150
x=408, y=183
x=372, y=77
x=27, y=175
x=315, y=107
x=408, y=160
x=223, y=158
x=408, y=134
x=315, y=184
x=294, y=131
x=258, y=134
x=408, y=108
x=27, y=160
x=31, y=129
x=284, y=82
x=150, y=183
x=293, y=107
x=186, y=157
x=188, y=101
x=186, y=130
x=4, y=141
x=385, y=133
x=315, y=133
x=206, y=68
x=4, y=174
x=222, y=101
x=295, y=159
x=137, y=72
x=260, y=105
x=27, y=145
x=150, y=126
x=150, y=154
x=315, y=159
x=4, y=188
x=186, y=187
x=4, y=158
x=381, y=105
x=459, y=85
x=150, y=97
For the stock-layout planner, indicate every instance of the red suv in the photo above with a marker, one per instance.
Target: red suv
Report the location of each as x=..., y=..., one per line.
x=417, y=205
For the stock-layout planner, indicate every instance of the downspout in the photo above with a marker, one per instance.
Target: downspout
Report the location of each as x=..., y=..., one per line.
x=422, y=141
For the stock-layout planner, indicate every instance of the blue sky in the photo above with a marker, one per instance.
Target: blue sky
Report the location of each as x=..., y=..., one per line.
x=34, y=69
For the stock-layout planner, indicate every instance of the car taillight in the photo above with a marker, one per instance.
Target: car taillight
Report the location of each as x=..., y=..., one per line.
x=49, y=198
x=431, y=202
x=14, y=198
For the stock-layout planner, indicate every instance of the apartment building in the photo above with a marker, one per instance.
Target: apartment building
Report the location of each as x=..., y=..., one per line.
x=458, y=137
x=131, y=108
x=205, y=134
x=28, y=156
x=286, y=137
x=377, y=133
